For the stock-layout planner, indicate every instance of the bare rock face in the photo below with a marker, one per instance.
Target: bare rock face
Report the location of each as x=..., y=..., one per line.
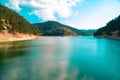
x=5, y=25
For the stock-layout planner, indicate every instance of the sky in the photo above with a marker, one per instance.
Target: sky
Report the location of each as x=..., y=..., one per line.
x=81, y=14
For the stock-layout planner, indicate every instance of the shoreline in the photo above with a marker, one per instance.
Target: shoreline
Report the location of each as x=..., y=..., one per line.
x=108, y=37
x=18, y=39
x=9, y=37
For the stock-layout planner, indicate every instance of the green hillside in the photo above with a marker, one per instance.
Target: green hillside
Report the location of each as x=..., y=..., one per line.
x=112, y=29
x=13, y=22
x=53, y=28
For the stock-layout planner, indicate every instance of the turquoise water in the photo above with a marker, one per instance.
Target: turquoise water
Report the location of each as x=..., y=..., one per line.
x=61, y=58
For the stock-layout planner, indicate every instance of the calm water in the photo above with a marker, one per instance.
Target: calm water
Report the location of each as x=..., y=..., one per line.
x=60, y=58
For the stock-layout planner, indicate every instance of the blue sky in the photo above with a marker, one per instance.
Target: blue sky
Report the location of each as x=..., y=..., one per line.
x=81, y=14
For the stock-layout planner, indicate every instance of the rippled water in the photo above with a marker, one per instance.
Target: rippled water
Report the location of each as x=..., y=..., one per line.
x=61, y=58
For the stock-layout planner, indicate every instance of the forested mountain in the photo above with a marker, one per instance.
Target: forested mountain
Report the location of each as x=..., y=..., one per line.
x=13, y=22
x=112, y=29
x=53, y=28
x=89, y=32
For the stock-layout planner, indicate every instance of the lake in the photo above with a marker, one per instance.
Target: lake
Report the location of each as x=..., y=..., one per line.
x=61, y=58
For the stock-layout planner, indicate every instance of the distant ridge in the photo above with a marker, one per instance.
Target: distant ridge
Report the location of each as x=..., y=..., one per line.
x=53, y=28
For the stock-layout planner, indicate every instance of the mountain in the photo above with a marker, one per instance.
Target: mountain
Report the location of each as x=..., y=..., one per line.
x=89, y=32
x=12, y=22
x=111, y=30
x=53, y=28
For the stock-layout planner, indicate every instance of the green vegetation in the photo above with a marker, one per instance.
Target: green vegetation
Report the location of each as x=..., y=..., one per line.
x=89, y=32
x=12, y=22
x=111, y=29
x=53, y=28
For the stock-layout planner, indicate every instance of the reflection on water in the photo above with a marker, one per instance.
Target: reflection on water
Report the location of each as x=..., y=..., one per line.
x=60, y=58
x=12, y=49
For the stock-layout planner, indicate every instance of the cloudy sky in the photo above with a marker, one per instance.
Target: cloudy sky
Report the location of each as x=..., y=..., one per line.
x=81, y=14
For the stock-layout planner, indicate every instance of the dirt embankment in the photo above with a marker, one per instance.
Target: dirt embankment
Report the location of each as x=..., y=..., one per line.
x=5, y=36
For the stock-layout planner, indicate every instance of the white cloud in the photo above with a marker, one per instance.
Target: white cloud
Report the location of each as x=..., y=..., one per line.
x=76, y=13
x=14, y=4
x=46, y=9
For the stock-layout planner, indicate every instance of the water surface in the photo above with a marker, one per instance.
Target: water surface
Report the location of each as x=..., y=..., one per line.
x=61, y=58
